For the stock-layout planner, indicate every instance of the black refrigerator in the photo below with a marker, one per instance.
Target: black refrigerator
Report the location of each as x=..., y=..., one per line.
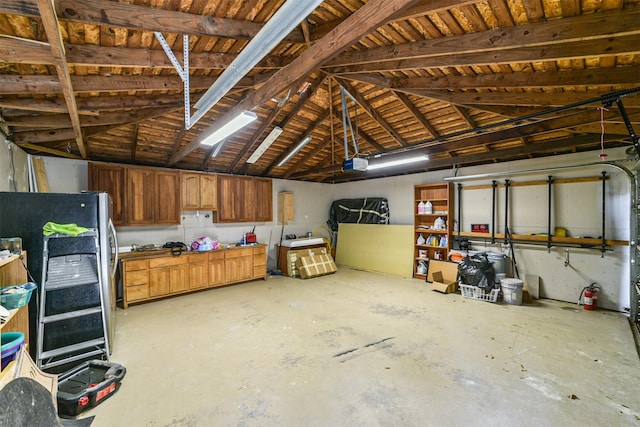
x=24, y=215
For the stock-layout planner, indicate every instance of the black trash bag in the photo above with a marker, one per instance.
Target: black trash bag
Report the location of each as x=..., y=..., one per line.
x=477, y=270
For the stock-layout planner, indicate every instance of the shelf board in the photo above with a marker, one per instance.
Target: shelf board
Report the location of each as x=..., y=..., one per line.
x=543, y=238
x=432, y=231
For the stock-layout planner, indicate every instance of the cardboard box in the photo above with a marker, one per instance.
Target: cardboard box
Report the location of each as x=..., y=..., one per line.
x=294, y=255
x=443, y=276
x=314, y=266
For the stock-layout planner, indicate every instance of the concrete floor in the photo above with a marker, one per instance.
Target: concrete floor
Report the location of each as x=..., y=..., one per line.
x=357, y=348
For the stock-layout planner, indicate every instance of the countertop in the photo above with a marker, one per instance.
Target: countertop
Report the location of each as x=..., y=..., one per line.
x=153, y=253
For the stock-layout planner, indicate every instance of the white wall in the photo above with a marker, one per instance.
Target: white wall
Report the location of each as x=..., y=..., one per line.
x=13, y=167
x=578, y=208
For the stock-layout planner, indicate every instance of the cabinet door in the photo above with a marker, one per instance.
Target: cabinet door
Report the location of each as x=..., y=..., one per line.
x=198, y=275
x=230, y=195
x=216, y=268
x=110, y=179
x=208, y=192
x=238, y=265
x=190, y=191
x=159, y=281
x=260, y=262
x=179, y=278
x=263, y=200
x=166, y=206
x=139, y=196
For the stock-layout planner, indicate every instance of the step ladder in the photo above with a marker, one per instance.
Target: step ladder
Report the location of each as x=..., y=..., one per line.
x=72, y=326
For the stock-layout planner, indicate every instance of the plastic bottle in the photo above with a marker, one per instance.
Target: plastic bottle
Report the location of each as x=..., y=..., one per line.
x=421, y=206
x=428, y=208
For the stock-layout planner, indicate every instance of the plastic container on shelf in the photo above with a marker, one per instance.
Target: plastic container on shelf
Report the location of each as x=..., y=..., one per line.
x=421, y=208
x=12, y=297
x=11, y=342
x=428, y=207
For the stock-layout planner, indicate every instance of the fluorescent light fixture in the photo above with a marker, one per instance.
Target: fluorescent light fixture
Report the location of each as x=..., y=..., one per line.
x=285, y=20
x=275, y=133
x=398, y=162
x=235, y=124
x=292, y=153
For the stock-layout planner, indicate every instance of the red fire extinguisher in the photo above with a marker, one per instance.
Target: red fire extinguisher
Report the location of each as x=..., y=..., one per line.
x=590, y=296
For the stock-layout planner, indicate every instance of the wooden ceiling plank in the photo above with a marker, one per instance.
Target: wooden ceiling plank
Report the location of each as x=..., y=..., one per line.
x=373, y=113
x=418, y=10
x=406, y=101
x=50, y=23
x=17, y=50
x=360, y=23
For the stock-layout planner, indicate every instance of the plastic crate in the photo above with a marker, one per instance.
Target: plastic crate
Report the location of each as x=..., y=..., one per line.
x=474, y=292
x=12, y=297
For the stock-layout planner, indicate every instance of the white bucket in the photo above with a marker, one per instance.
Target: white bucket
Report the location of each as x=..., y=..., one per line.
x=511, y=291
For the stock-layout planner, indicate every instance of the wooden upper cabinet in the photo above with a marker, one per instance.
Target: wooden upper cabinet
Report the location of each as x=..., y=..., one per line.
x=198, y=191
x=166, y=205
x=244, y=199
x=152, y=196
x=209, y=192
x=189, y=191
x=110, y=179
x=139, y=196
x=263, y=209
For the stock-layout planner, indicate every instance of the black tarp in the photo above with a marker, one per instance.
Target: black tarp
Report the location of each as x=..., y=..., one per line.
x=371, y=210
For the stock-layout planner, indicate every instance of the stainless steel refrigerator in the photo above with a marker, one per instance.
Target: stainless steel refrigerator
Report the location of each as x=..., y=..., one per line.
x=24, y=215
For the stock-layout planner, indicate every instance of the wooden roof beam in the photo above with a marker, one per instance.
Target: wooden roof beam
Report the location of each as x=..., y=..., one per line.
x=30, y=84
x=573, y=32
x=50, y=23
x=424, y=86
x=360, y=23
x=133, y=17
x=18, y=50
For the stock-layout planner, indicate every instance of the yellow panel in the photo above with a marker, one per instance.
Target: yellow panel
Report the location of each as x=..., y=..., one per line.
x=376, y=247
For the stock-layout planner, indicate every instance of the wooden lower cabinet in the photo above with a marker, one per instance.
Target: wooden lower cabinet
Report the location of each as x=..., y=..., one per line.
x=260, y=262
x=216, y=269
x=135, y=280
x=164, y=275
x=198, y=271
x=238, y=265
